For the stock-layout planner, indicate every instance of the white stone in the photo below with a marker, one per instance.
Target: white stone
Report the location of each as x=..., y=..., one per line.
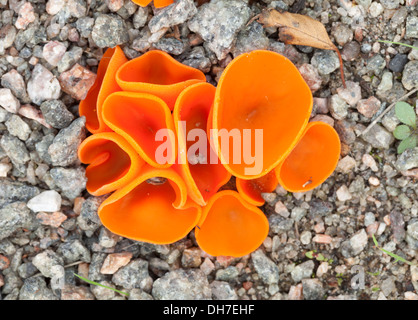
x=47, y=201
x=53, y=52
x=322, y=269
x=43, y=85
x=4, y=169
x=346, y=164
x=54, y=6
x=376, y=9
x=369, y=161
x=281, y=209
x=8, y=101
x=343, y=194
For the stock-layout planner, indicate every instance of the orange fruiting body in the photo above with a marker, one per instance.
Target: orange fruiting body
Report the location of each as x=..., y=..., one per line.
x=142, y=117
x=91, y=106
x=157, y=73
x=112, y=162
x=313, y=159
x=251, y=190
x=132, y=102
x=261, y=90
x=152, y=212
x=191, y=112
x=230, y=226
x=157, y=3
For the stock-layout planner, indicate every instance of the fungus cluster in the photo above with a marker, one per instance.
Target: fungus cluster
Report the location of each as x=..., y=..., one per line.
x=157, y=3
x=161, y=203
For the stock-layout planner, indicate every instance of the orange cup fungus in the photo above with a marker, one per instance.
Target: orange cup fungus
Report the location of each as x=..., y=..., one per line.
x=261, y=90
x=151, y=211
x=230, y=226
x=192, y=111
x=142, y=117
x=133, y=101
x=251, y=190
x=313, y=159
x=157, y=3
x=105, y=84
x=112, y=162
x=157, y=73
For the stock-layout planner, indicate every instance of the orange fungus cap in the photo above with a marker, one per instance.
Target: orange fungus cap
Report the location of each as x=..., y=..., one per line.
x=313, y=159
x=157, y=73
x=112, y=162
x=230, y=226
x=261, y=90
x=157, y=3
x=105, y=84
x=191, y=111
x=138, y=117
x=251, y=190
x=148, y=211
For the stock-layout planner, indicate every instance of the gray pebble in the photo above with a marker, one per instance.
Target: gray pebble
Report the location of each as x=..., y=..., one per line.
x=172, y=15
x=56, y=114
x=196, y=58
x=407, y=160
x=182, y=284
x=15, y=149
x=302, y=271
x=170, y=45
x=109, y=31
x=376, y=64
x=326, y=61
x=378, y=137
x=265, y=267
x=250, y=38
x=133, y=275
x=74, y=250
x=218, y=22
x=15, y=216
x=228, y=274
x=412, y=26
x=71, y=181
x=70, y=58
x=35, y=289
x=222, y=290
x=18, y=128
x=46, y=261
x=88, y=220
x=313, y=289
x=410, y=75
x=63, y=150
x=398, y=62
x=12, y=191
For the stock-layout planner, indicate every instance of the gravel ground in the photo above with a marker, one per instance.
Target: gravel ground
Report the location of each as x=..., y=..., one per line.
x=49, y=226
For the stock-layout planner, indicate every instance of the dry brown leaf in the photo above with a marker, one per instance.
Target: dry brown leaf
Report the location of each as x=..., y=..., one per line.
x=301, y=30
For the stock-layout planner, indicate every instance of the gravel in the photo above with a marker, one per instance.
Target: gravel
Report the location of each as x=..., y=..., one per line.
x=49, y=226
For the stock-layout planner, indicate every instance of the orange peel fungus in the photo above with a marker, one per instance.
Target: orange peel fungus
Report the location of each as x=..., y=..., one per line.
x=142, y=117
x=251, y=190
x=91, y=106
x=192, y=110
x=261, y=90
x=132, y=101
x=313, y=159
x=157, y=3
x=112, y=162
x=153, y=212
x=157, y=73
x=230, y=226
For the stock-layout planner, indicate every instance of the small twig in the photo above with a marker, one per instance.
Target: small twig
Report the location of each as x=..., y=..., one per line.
x=387, y=110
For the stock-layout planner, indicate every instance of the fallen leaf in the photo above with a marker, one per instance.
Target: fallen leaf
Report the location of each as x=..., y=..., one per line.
x=301, y=30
